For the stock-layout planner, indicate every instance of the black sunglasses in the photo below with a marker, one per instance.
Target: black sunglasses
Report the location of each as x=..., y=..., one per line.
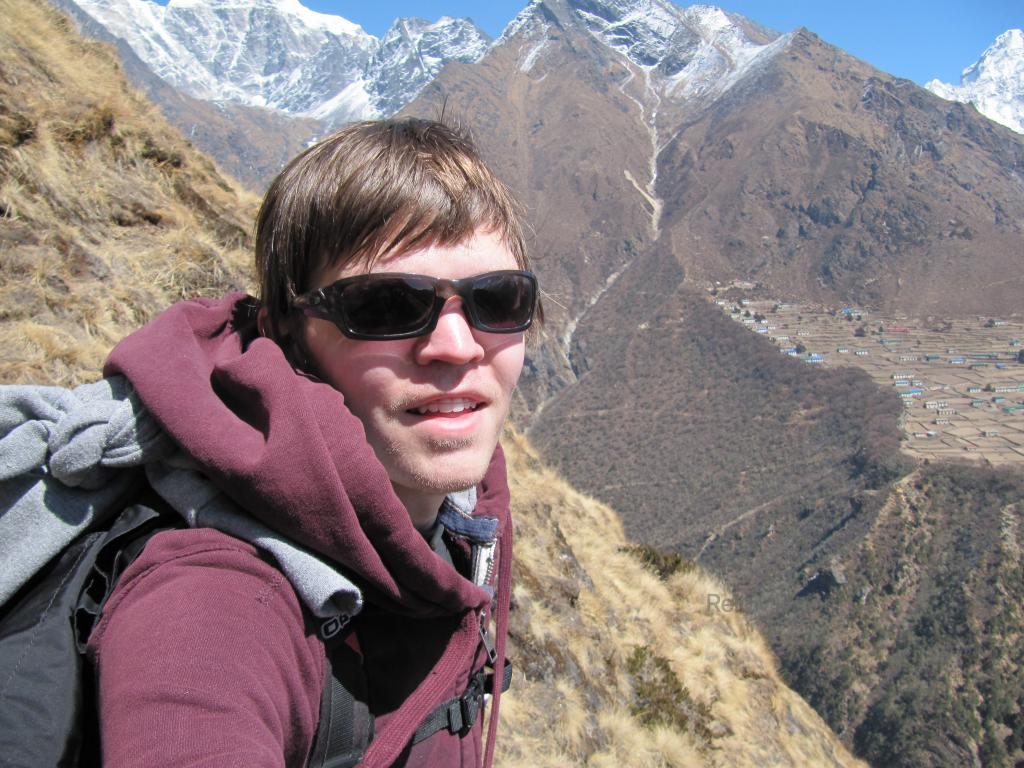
x=391, y=305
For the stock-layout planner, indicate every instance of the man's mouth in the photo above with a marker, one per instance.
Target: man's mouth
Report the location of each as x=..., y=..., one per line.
x=453, y=406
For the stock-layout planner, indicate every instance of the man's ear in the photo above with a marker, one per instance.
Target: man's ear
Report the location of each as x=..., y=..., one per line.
x=290, y=342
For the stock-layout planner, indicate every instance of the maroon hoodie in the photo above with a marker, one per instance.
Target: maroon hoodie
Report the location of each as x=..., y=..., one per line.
x=203, y=651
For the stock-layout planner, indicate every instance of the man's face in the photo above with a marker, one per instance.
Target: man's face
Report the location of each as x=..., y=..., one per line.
x=432, y=406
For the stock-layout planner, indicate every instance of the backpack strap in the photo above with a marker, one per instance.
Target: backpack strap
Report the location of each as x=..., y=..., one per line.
x=43, y=632
x=345, y=727
x=119, y=547
x=459, y=714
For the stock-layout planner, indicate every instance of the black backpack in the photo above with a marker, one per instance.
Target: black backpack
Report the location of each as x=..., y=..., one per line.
x=47, y=686
x=47, y=692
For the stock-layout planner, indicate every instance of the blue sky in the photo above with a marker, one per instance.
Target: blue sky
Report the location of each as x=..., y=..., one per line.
x=915, y=39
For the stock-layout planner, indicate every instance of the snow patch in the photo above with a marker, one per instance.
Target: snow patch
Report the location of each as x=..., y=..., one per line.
x=994, y=84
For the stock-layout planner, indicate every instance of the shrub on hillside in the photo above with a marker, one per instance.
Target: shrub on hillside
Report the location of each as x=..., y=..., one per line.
x=659, y=697
x=663, y=563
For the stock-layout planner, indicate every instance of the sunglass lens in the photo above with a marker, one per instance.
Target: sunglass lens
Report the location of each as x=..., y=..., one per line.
x=388, y=306
x=503, y=301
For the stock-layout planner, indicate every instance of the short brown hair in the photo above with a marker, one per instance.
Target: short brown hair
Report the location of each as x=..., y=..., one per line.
x=372, y=189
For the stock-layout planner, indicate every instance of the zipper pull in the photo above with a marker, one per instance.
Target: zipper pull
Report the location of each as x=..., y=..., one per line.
x=485, y=638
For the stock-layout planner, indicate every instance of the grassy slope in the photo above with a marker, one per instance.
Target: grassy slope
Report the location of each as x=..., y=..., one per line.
x=108, y=215
x=622, y=667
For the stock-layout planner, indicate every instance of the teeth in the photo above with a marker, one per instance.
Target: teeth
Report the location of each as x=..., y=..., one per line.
x=446, y=406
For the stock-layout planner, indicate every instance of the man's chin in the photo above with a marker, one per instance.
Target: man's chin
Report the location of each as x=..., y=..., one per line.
x=447, y=473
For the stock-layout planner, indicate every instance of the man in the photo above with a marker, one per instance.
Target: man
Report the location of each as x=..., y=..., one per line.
x=356, y=413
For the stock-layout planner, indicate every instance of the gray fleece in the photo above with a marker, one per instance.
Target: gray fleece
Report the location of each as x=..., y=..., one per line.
x=67, y=460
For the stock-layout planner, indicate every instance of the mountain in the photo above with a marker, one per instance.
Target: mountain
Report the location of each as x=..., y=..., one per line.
x=994, y=84
x=636, y=130
x=107, y=214
x=280, y=55
x=659, y=151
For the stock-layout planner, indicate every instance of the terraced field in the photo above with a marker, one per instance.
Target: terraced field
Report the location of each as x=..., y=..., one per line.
x=960, y=379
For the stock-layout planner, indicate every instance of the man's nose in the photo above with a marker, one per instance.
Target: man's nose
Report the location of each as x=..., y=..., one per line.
x=453, y=339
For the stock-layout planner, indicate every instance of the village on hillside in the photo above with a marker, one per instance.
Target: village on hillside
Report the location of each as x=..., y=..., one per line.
x=961, y=380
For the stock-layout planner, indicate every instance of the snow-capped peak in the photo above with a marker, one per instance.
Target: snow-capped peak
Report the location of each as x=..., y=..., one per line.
x=995, y=83
x=282, y=55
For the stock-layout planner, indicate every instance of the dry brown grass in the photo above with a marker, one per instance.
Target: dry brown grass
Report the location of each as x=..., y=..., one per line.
x=583, y=606
x=106, y=213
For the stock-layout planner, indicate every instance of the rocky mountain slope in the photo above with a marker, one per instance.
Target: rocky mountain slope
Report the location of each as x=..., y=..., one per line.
x=107, y=214
x=281, y=55
x=252, y=84
x=994, y=84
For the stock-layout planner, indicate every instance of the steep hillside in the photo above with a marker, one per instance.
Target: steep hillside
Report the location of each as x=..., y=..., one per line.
x=108, y=215
x=924, y=661
x=250, y=143
x=633, y=659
